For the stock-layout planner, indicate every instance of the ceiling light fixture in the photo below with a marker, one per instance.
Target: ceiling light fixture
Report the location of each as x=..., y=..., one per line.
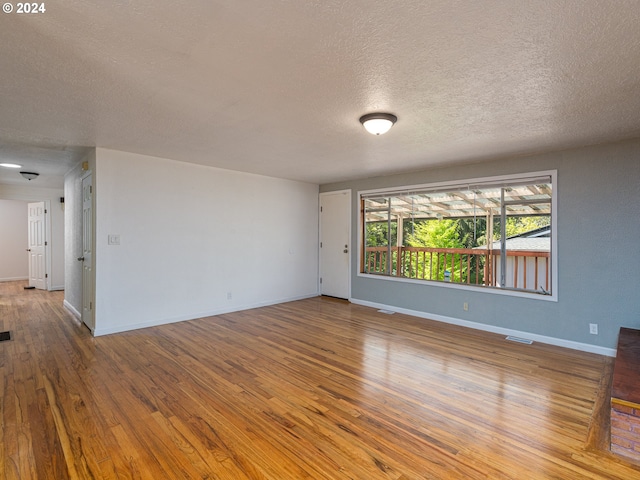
x=378, y=123
x=10, y=165
x=29, y=175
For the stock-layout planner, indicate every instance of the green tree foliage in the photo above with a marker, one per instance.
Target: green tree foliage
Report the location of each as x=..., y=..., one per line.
x=377, y=234
x=472, y=231
x=520, y=225
x=436, y=234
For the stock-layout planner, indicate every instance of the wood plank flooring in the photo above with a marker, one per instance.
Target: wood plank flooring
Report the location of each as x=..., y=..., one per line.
x=314, y=389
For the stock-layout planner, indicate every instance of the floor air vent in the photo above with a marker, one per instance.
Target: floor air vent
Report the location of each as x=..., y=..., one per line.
x=388, y=312
x=4, y=336
x=526, y=341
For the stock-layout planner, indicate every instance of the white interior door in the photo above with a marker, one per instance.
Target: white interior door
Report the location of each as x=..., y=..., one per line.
x=335, y=239
x=87, y=253
x=37, y=244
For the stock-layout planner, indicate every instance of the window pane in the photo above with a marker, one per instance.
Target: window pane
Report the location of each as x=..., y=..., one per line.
x=456, y=235
x=380, y=236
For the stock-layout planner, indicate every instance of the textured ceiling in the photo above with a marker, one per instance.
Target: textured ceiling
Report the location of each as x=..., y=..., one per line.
x=276, y=87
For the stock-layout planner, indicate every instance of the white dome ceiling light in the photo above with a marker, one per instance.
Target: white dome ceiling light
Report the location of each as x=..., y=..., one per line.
x=30, y=175
x=378, y=123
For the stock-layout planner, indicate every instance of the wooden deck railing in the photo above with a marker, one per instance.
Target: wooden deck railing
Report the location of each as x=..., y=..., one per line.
x=527, y=270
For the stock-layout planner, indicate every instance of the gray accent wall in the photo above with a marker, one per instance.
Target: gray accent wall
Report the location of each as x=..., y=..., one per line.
x=598, y=229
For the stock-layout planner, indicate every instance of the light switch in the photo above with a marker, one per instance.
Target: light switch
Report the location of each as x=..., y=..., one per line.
x=114, y=239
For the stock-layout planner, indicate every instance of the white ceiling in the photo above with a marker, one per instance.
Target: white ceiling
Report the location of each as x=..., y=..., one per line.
x=276, y=87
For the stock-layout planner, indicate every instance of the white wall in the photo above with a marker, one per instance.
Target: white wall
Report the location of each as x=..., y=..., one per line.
x=189, y=235
x=55, y=217
x=14, y=263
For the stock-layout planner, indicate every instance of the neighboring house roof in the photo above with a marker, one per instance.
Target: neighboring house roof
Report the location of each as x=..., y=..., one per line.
x=540, y=244
x=538, y=232
x=538, y=240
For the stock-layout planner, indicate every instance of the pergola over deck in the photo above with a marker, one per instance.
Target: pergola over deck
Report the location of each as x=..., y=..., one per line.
x=520, y=200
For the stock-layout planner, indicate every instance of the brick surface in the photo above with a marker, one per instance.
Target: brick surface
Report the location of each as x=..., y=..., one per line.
x=621, y=424
x=621, y=442
x=625, y=452
x=631, y=419
x=625, y=432
x=622, y=409
x=632, y=437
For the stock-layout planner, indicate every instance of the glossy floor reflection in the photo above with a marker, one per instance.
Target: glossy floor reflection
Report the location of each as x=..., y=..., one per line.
x=317, y=388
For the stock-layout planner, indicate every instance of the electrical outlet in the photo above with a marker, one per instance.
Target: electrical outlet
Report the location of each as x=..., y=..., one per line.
x=465, y=306
x=229, y=296
x=593, y=328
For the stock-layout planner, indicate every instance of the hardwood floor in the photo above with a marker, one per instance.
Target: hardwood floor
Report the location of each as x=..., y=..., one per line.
x=312, y=389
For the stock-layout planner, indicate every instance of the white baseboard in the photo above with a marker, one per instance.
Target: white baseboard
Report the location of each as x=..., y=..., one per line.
x=559, y=342
x=56, y=288
x=13, y=279
x=155, y=323
x=72, y=309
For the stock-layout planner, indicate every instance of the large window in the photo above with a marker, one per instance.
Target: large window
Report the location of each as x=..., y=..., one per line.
x=493, y=233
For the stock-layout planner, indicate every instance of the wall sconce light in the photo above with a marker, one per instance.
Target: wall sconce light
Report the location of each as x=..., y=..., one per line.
x=378, y=123
x=29, y=175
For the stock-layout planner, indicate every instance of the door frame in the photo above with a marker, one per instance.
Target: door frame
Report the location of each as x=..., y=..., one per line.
x=323, y=194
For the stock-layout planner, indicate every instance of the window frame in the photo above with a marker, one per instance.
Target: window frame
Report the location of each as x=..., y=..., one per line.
x=462, y=183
